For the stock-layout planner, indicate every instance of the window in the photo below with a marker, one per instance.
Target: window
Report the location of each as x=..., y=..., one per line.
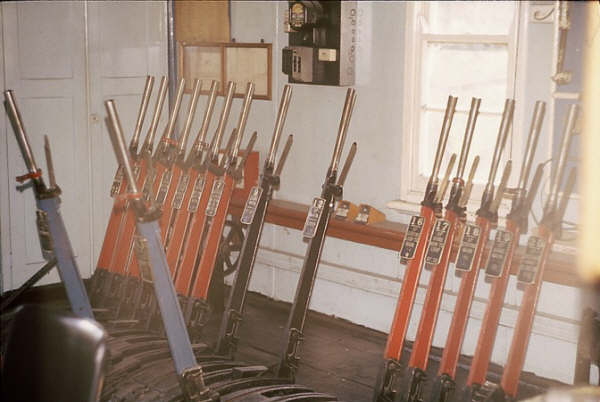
x=467, y=49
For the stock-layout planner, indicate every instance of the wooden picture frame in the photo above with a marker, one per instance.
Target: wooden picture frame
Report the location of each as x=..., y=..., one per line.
x=238, y=62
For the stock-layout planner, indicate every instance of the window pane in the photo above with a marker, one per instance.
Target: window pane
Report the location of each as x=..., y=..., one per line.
x=471, y=17
x=465, y=70
x=484, y=139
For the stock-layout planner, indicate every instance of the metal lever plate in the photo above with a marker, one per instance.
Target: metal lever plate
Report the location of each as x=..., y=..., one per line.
x=116, y=185
x=215, y=197
x=411, y=239
x=251, y=204
x=531, y=260
x=313, y=217
x=163, y=189
x=180, y=191
x=196, y=194
x=439, y=236
x=468, y=245
x=497, y=257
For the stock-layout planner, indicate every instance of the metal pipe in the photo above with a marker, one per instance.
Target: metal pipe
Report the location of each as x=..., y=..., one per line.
x=343, y=128
x=22, y=140
x=446, y=124
x=347, y=164
x=564, y=200
x=568, y=131
x=532, y=140
x=118, y=143
x=175, y=111
x=505, y=124
x=210, y=106
x=469, y=130
x=222, y=121
x=249, y=149
x=133, y=145
x=190, y=117
x=535, y=183
x=279, y=122
x=160, y=100
x=241, y=127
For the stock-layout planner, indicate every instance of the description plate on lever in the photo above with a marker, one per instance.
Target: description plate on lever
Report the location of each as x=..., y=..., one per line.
x=497, y=257
x=468, y=245
x=411, y=238
x=312, y=219
x=196, y=194
x=163, y=189
x=116, y=185
x=251, y=205
x=439, y=236
x=531, y=260
x=180, y=191
x=147, y=189
x=215, y=197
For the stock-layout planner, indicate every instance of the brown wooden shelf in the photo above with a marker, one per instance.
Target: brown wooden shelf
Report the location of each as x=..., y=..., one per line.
x=389, y=235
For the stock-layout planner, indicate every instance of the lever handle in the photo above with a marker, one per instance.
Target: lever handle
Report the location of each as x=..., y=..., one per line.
x=446, y=124
x=343, y=128
x=284, y=155
x=279, y=122
x=347, y=164
x=133, y=145
x=118, y=143
x=210, y=106
x=468, y=137
x=505, y=125
x=190, y=116
x=532, y=140
x=175, y=112
x=243, y=118
x=49, y=163
x=249, y=149
x=442, y=191
x=160, y=100
x=464, y=199
x=568, y=131
x=216, y=142
x=569, y=186
x=535, y=183
x=501, y=187
x=17, y=123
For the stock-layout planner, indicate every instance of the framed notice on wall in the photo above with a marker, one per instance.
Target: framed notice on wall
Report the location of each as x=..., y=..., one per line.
x=237, y=62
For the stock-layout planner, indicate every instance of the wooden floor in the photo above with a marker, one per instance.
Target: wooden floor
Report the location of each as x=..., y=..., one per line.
x=337, y=357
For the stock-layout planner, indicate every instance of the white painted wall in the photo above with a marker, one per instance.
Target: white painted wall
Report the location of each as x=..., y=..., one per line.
x=112, y=46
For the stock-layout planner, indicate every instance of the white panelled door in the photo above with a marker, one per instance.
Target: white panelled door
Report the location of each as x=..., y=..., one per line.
x=44, y=56
x=63, y=59
x=127, y=41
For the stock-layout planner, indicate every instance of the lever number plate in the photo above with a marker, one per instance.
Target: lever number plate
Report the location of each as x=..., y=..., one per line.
x=530, y=263
x=180, y=191
x=468, y=245
x=497, y=257
x=439, y=236
x=215, y=197
x=163, y=189
x=411, y=238
x=251, y=205
x=46, y=243
x=147, y=189
x=140, y=246
x=314, y=216
x=196, y=194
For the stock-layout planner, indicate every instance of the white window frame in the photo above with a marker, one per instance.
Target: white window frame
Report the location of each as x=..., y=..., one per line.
x=412, y=185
